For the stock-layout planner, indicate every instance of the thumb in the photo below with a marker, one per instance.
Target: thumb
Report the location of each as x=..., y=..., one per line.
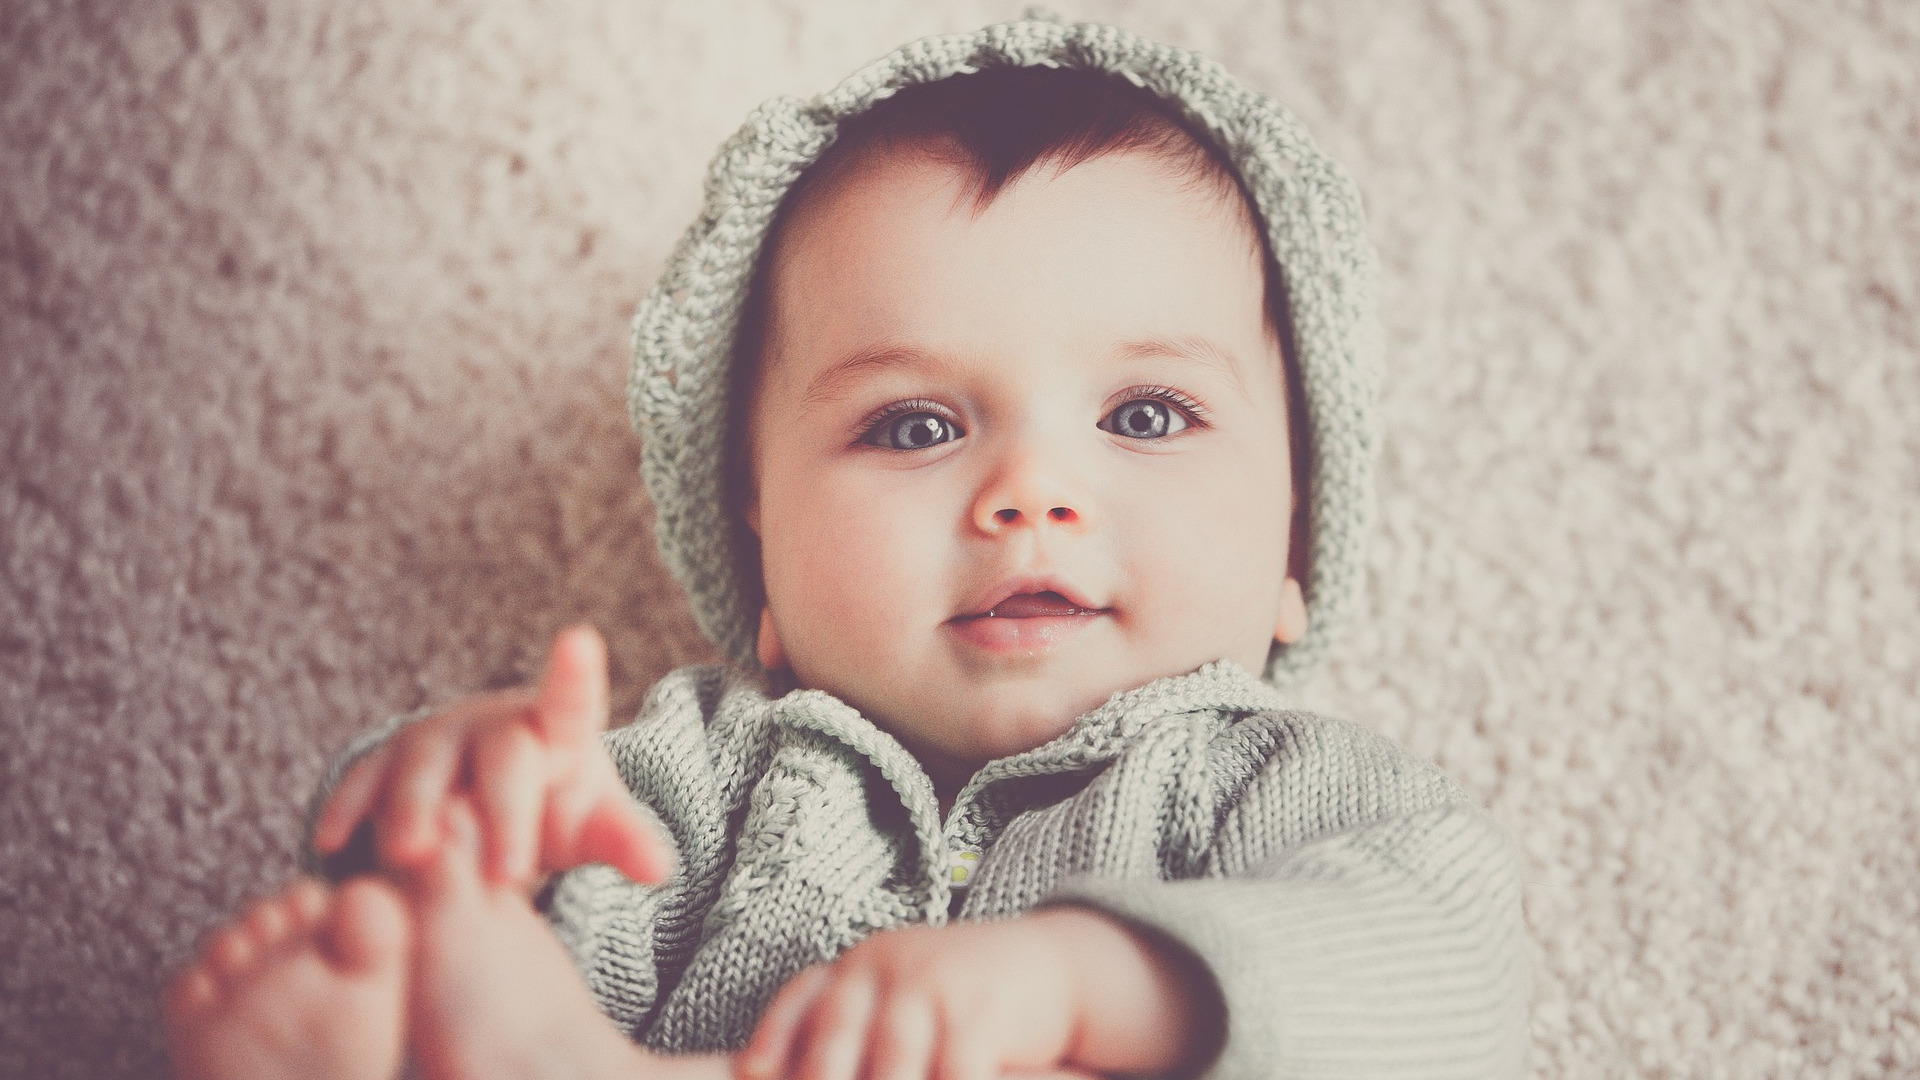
x=570, y=707
x=593, y=818
x=615, y=832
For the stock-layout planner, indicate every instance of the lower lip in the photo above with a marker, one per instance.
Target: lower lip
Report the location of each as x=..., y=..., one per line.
x=1036, y=634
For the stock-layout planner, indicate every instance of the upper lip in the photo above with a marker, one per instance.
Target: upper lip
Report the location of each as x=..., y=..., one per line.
x=1028, y=584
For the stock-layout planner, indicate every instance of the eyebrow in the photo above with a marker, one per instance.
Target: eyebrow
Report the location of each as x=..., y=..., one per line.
x=1188, y=347
x=834, y=382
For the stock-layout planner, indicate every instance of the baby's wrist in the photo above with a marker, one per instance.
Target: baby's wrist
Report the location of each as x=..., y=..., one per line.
x=1145, y=1003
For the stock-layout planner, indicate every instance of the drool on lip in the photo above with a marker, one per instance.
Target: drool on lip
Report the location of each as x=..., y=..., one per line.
x=1027, y=623
x=1034, y=606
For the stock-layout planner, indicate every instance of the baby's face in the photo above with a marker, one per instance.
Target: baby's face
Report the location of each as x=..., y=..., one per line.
x=1010, y=464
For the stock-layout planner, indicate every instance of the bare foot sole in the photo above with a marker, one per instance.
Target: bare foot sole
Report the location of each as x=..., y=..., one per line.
x=495, y=994
x=309, y=985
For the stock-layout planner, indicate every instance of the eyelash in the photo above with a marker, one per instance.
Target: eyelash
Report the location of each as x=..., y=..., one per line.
x=1196, y=412
x=885, y=413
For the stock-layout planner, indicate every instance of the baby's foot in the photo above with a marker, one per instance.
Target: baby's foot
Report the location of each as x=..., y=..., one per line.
x=495, y=993
x=309, y=984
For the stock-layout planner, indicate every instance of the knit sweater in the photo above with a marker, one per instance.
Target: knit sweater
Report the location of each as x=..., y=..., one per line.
x=1358, y=916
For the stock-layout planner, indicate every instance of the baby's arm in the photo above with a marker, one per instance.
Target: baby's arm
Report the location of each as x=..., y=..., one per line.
x=1062, y=990
x=532, y=761
x=1349, y=928
x=1392, y=945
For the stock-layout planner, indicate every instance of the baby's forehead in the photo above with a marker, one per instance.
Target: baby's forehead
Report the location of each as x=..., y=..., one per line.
x=964, y=186
x=864, y=192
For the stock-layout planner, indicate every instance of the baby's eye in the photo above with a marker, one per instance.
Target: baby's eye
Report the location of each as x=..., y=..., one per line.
x=1145, y=418
x=911, y=431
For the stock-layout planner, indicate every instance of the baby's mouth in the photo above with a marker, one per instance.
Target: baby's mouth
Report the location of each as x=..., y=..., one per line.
x=1026, y=623
x=1033, y=606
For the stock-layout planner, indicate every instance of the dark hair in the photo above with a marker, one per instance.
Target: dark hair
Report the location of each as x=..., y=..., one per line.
x=994, y=125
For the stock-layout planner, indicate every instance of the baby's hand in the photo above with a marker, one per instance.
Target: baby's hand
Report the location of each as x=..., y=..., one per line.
x=548, y=794
x=1063, y=991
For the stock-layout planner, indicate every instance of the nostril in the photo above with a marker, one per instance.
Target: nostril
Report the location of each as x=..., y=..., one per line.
x=1007, y=516
x=1061, y=513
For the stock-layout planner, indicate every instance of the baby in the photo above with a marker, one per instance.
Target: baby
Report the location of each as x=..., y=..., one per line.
x=1006, y=412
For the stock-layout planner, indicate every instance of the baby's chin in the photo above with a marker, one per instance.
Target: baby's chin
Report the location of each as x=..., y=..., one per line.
x=1002, y=721
x=958, y=721
x=1016, y=731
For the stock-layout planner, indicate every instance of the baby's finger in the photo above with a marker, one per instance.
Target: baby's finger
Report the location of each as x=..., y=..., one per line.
x=767, y=1052
x=509, y=783
x=835, y=1031
x=423, y=770
x=616, y=833
x=594, y=819
x=350, y=802
x=571, y=707
x=903, y=1040
x=966, y=1056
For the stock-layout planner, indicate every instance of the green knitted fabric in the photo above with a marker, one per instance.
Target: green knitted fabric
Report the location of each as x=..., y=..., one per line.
x=1358, y=916
x=683, y=334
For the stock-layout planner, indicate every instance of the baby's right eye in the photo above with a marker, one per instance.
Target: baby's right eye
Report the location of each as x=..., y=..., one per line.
x=914, y=430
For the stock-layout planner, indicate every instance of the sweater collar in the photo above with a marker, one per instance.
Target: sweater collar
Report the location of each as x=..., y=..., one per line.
x=1096, y=738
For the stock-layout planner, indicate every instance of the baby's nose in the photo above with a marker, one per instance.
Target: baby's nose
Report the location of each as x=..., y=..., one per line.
x=1030, y=490
x=1013, y=515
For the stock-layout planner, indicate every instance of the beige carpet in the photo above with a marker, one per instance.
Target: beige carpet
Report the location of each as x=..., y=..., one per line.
x=312, y=321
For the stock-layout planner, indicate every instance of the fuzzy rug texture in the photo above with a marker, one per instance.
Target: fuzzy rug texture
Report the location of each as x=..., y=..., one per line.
x=312, y=332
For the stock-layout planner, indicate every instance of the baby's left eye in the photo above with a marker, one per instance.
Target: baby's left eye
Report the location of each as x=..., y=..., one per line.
x=1145, y=418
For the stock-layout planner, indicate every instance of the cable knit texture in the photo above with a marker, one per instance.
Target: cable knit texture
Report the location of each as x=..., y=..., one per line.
x=1359, y=915
x=683, y=334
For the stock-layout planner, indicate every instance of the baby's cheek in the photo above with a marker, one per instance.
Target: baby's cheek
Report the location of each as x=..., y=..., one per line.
x=1217, y=559
x=858, y=564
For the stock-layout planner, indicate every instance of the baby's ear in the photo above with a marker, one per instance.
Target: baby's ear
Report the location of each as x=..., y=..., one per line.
x=772, y=656
x=1292, y=625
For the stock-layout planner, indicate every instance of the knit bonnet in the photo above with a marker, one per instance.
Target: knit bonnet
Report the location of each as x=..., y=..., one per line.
x=679, y=390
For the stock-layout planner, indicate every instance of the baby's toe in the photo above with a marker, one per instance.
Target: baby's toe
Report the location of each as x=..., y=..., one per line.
x=306, y=901
x=367, y=926
x=230, y=953
x=194, y=992
x=268, y=923
x=240, y=950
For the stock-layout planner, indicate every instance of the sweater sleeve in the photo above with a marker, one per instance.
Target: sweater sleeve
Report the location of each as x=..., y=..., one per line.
x=1389, y=943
